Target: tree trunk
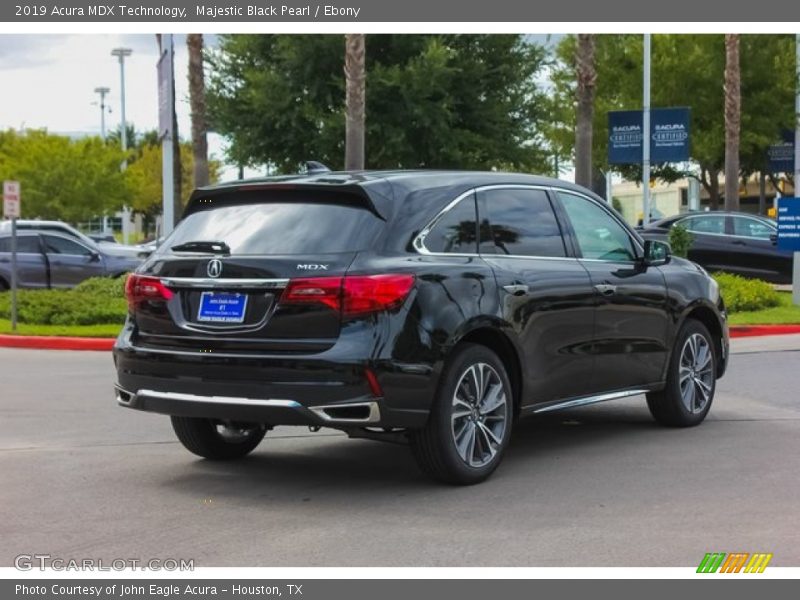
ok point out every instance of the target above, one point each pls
(713, 189)
(586, 76)
(733, 109)
(197, 102)
(355, 81)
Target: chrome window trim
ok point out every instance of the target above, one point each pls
(419, 241)
(727, 235)
(229, 283)
(767, 224)
(419, 245)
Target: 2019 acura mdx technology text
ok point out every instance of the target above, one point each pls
(429, 307)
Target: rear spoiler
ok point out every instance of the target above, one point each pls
(247, 193)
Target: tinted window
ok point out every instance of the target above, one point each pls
(706, 224)
(456, 230)
(280, 228)
(57, 245)
(599, 235)
(522, 223)
(25, 244)
(751, 228)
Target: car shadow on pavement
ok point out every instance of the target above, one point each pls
(283, 467)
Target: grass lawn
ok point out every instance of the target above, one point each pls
(783, 314)
(101, 331)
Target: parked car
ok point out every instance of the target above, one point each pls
(47, 259)
(110, 247)
(147, 247)
(101, 237)
(733, 242)
(430, 308)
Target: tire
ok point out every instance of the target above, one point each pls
(686, 403)
(215, 440)
(465, 437)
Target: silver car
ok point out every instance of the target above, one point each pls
(107, 246)
(46, 259)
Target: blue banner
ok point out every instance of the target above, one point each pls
(789, 224)
(781, 155)
(669, 136)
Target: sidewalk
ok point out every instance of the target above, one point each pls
(767, 343)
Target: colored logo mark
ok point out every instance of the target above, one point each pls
(735, 562)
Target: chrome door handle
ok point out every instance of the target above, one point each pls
(606, 289)
(516, 289)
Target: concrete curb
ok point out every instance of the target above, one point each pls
(739, 331)
(43, 342)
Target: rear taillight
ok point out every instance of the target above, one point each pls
(351, 295)
(140, 288)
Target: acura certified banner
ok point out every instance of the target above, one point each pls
(392, 10)
(669, 136)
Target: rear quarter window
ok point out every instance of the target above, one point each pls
(281, 228)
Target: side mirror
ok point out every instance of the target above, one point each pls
(773, 237)
(656, 253)
(94, 256)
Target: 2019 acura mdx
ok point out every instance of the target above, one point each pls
(428, 307)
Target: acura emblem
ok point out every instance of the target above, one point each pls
(214, 268)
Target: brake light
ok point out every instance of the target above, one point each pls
(140, 288)
(314, 290)
(351, 295)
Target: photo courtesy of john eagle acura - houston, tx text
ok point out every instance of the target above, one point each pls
(431, 308)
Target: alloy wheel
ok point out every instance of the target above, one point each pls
(479, 415)
(696, 377)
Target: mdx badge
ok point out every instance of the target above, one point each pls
(214, 268)
(312, 267)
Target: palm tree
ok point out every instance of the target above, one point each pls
(733, 109)
(355, 81)
(197, 102)
(586, 75)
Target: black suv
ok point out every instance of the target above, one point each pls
(428, 307)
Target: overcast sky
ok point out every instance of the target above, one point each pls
(48, 81)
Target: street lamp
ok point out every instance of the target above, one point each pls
(121, 53)
(102, 91)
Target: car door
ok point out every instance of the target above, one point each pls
(631, 319)
(71, 262)
(711, 248)
(31, 267)
(545, 295)
(757, 254)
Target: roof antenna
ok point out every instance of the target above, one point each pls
(314, 167)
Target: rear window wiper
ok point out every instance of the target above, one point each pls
(210, 247)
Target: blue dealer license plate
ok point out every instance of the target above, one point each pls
(221, 307)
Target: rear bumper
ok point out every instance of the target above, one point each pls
(358, 412)
(329, 389)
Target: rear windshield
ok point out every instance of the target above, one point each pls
(281, 228)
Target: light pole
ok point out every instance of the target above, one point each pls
(121, 53)
(102, 91)
(646, 134)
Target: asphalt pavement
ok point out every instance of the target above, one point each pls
(596, 486)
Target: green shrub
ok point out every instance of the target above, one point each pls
(96, 301)
(680, 240)
(742, 294)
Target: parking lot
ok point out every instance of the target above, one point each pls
(597, 486)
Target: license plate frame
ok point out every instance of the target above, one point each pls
(222, 308)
